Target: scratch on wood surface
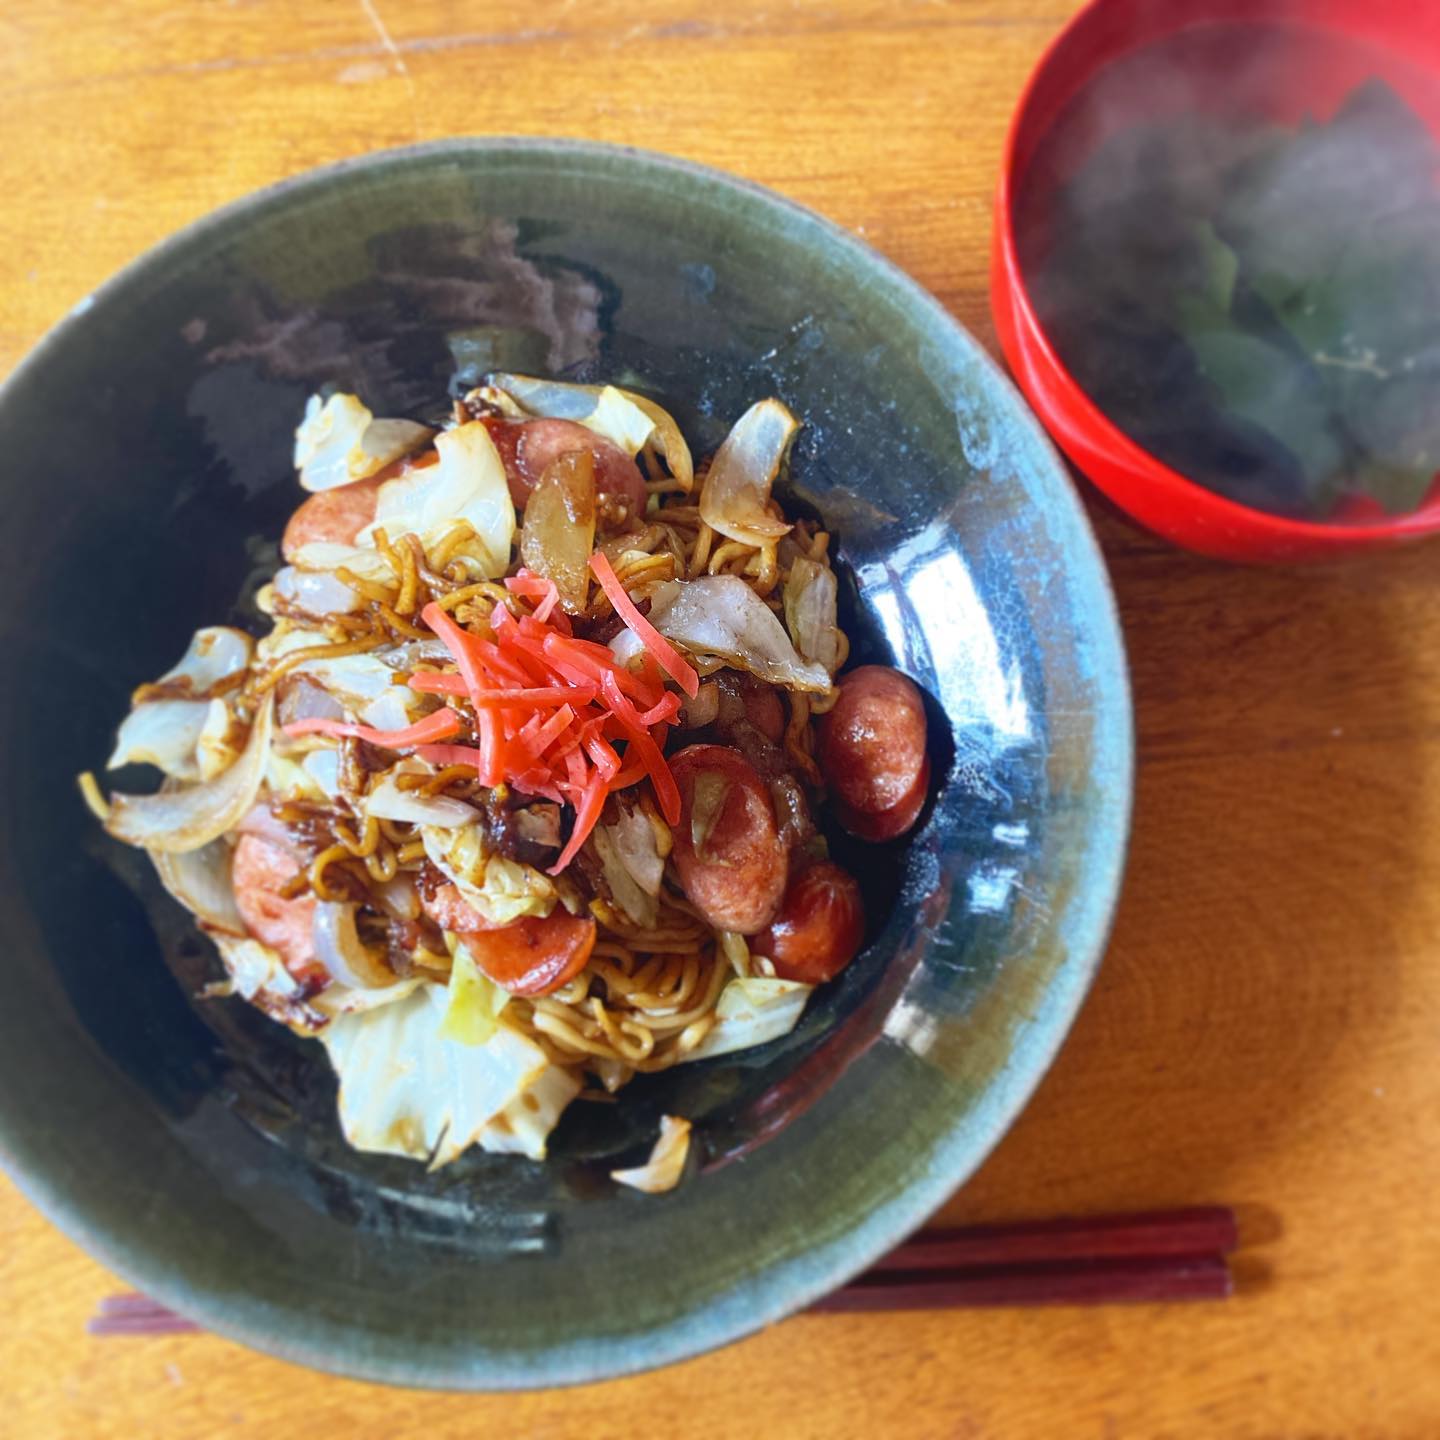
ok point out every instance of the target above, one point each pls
(401, 68)
(679, 32)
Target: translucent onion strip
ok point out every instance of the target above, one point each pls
(175, 821)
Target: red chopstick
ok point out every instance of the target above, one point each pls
(1100, 1282)
(135, 1314)
(1157, 1256)
(1201, 1230)
(1090, 1260)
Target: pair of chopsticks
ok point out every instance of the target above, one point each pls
(1155, 1257)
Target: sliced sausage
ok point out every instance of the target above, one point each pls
(530, 447)
(872, 742)
(535, 957)
(728, 851)
(881, 825)
(819, 927)
(259, 872)
(450, 910)
(337, 515)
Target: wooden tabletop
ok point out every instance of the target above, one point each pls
(1264, 1031)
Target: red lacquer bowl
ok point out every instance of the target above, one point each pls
(1296, 58)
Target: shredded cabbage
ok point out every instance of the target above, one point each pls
(721, 615)
(387, 801)
(523, 1127)
(468, 484)
(662, 1171)
(640, 905)
(752, 1011)
(810, 605)
(257, 974)
(406, 1089)
(501, 890)
(291, 780)
(323, 768)
(339, 441)
(356, 681)
(620, 420)
(324, 557)
(475, 1003)
(317, 592)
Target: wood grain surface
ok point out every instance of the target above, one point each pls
(1265, 1028)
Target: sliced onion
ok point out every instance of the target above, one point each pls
(388, 802)
(703, 709)
(398, 896)
(736, 493)
(323, 767)
(588, 404)
(215, 654)
(618, 419)
(721, 615)
(316, 592)
(163, 733)
(185, 819)
(320, 557)
(627, 647)
(200, 881)
(339, 949)
(387, 711)
(711, 792)
(666, 1164)
(219, 745)
(302, 699)
(810, 601)
(339, 441)
(559, 529)
(406, 657)
(468, 484)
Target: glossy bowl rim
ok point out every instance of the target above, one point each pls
(1271, 536)
(752, 1304)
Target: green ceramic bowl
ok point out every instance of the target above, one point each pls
(192, 1145)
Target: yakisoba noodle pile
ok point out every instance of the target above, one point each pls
(517, 798)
